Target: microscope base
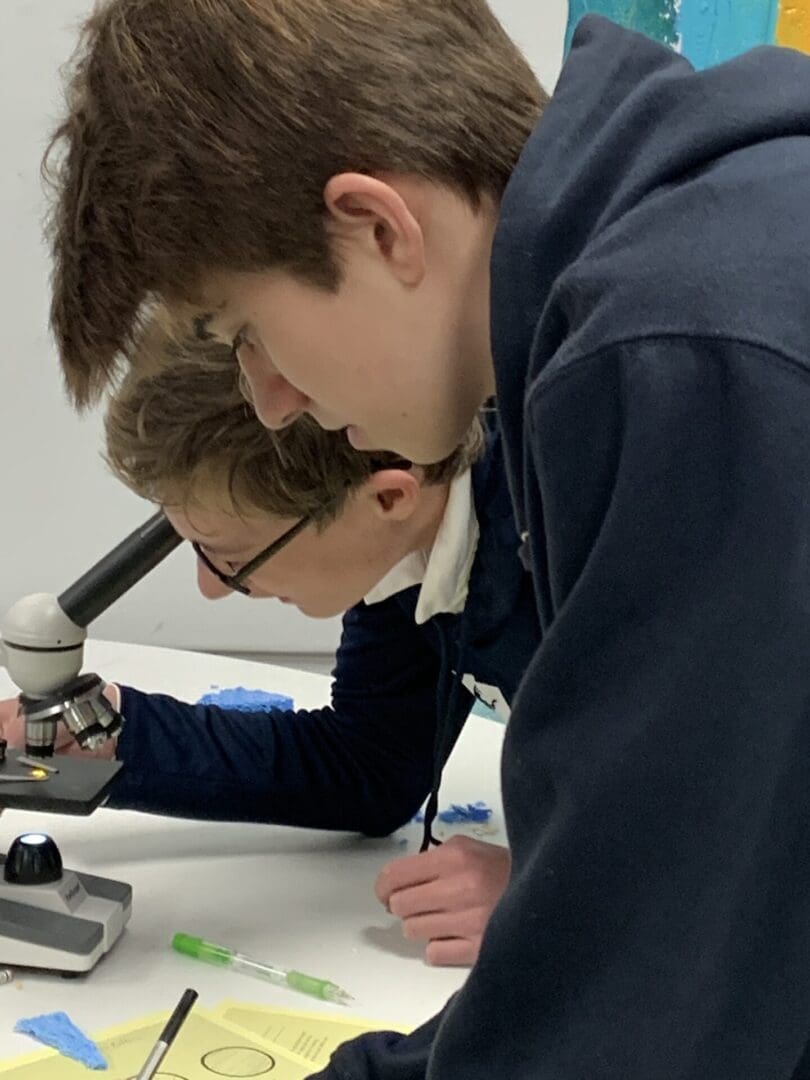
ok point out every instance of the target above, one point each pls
(65, 926)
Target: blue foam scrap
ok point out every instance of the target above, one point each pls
(244, 700)
(476, 812)
(455, 814)
(58, 1031)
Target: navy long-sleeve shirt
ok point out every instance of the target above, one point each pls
(651, 337)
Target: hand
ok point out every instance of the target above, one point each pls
(445, 896)
(12, 729)
(8, 713)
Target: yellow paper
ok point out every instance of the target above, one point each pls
(311, 1036)
(207, 1048)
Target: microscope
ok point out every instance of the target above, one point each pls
(52, 917)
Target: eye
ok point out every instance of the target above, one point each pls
(223, 565)
(233, 566)
(247, 350)
(239, 342)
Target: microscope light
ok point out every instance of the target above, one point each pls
(32, 859)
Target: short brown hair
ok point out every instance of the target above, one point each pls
(200, 134)
(182, 433)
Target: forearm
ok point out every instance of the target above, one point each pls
(314, 769)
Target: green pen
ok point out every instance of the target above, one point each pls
(295, 980)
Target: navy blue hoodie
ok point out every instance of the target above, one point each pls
(651, 336)
(367, 762)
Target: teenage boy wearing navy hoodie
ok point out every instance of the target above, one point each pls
(389, 230)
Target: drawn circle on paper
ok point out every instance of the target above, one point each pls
(238, 1061)
(164, 1076)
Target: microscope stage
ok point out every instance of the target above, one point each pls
(78, 788)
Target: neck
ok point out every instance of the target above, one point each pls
(432, 506)
(474, 299)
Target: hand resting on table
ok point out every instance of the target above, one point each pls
(445, 896)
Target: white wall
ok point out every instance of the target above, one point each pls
(60, 508)
(538, 26)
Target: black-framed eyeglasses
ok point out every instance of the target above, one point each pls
(234, 581)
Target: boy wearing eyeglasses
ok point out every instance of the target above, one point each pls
(304, 518)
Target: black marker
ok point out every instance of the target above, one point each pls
(168, 1035)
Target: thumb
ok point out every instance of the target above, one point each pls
(12, 728)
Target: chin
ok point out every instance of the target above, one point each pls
(426, 452)
(420, 447)
(358, 438)
(317, 612)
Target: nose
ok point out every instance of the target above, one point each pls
(210, 587)
(276, 401)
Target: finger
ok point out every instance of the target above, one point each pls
(405, 872)
(451, 892)
(446, 894)
(452, 952)
(8, 710)
(444, 924)
(12, 728)
(112, 692)
(64, 741)
(426, 866)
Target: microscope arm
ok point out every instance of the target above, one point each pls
(43, 635)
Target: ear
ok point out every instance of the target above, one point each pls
(369, 211)
(395, 493)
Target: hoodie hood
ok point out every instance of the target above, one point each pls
(632, 139)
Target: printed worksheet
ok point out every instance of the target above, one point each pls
(311, 1036)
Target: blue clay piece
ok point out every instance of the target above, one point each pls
(473, 812)
(244, 700)
(58, 1031)
(455, 814)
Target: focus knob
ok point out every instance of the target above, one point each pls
(33, 859)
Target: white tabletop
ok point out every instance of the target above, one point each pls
(296, 897)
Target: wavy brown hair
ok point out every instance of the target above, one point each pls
(199, 136)
(181, 433)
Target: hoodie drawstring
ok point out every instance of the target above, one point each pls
(448, 725)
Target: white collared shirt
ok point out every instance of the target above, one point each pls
(444, 571)
(444, 574)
